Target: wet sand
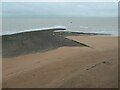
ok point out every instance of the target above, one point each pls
(66, 67)
(24, 43)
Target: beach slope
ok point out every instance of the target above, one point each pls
(66, 67)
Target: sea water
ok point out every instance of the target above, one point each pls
(107, 25)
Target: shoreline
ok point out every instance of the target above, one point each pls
(35, 41)
(40, 41)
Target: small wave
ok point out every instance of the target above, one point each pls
(37, 29)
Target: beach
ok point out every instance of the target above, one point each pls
(59, 45)
(95, 66)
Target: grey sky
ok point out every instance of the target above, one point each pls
(41, 9)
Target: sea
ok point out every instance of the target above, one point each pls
(106, 25)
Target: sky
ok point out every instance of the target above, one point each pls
(64, 9)
(59, 0)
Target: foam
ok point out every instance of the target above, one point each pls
(38, 29)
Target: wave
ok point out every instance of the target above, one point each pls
(60, 28)
(54, 28)
(34, 42)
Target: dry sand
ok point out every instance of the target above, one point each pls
(70, 67)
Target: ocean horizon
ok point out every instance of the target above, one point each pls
(106, 25)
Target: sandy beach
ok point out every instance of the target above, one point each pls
(66, 67)
(59, 45)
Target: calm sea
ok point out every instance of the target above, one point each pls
(93, 25)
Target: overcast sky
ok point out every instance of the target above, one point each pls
(40, 9)
(59, 0)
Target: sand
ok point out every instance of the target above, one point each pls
(66, 67)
